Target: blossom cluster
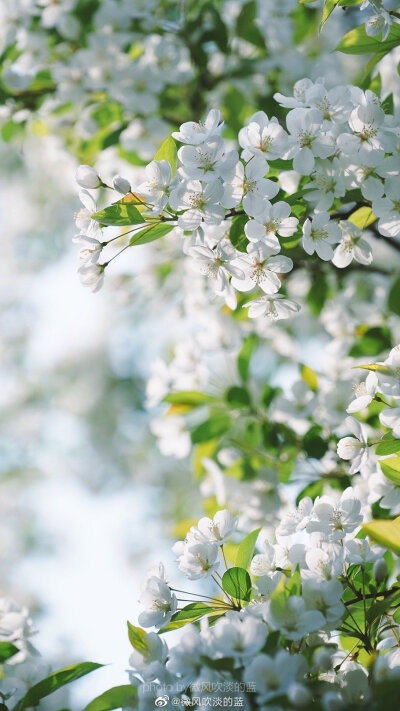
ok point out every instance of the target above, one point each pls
(338, 143)
(278, 640)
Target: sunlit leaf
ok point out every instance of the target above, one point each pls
(119, 696)
(386, 532)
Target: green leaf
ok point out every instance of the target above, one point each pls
(168, 151)
(237, 396)
(375, 367)
(189, 397)
(358, 42)
(318, 293)
(371, 341)
(215, 426)
(362, 218)
(394, 297)
(55, 681)
(189, 613)
(387, 533)
(119, 696)
(237, 234)
(314, 489)
(121, 214)
(309, 376)
(245, 354)
(388, 104)
(389, 447)
(246, 549)
(236, 583)
(329, 6)
(246, 27)
(391, 469)
(150, 234)
(7, 650)
(137, 638)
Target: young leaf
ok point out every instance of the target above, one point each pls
(309, 376)
(120, 214)
(362, 218)
(391, 469)
(7, 650)
(246, 549)
(358, 42)
(189, 613)
(329, 6)
(215, 426)
(167, 151)
(137, 638)
(189, 397)
(119, 696)
(236, 582)
(389, 447)
(385, 532)
(150, 234)
(55, 681)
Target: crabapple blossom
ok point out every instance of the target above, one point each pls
(157, 597)
(199, 202)
(260, 267)
(335, 519)
(364, 393)
(354, 448)
(318, 235)
(157, 185)
(249, 185)
(274, 220)
(351, 246)
(274, 306)
(306, 139)
(263, 137)
(219, 528)
(196, 133)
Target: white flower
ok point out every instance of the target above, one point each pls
(319, 234)
(92, 275)
(87, 177)
(297, 519)
(351, 246)
(155, 189)
(265, 563)
(90, 250)
(358, 550)
(390, 380)
(274, 307)
(299, 98)
(199, 202)
(219, 528)
(388, 208)
(354, 448)
(249, 186)
(274, 219)
(206, 161)
(307, 140)
(199, 559)
(364, 393)
(196, 133)
(369, 140)
(238, 636)
(325, 596)
(83, 218)
(173, 437)
(324, 562)
(184, 658)
(15, 623)
(160, 602)
(217, 264)
(327, 184)
(292, 618)
(333, 105)
(390, 417)
(263, 137)
(273, 676)
(149, 661)
(379, 24)
(335, 519)
(260, 268)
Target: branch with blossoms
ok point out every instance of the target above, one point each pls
(336, 154)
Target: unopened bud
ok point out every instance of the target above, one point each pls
(87, 177)
(122, 185)
(380, 570)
